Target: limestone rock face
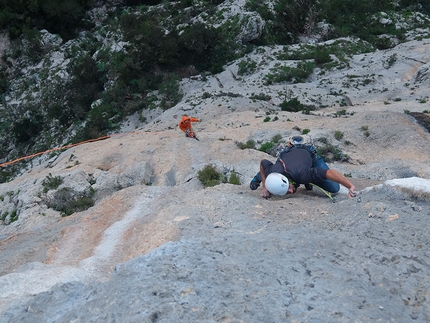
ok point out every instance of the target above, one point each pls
(157, 246)
(252, 26)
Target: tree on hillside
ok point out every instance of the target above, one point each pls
(57, 16)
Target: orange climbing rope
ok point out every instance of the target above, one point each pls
(53, 149)
(77, 144)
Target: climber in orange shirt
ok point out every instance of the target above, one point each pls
(185, 126)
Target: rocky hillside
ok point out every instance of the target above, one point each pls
(78, 80)
(122, 229)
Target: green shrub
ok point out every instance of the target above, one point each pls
(26, 129)
(266, 146)
(7, 174)
(305, 131)
(57, 16)
(13, 216)
(234, 178)
(68, 201)
(320, 54)
(294, 105)
(209, 176)
(276, 138)
(51, 183)
(85, 86)
(249, 144)
(296, 74)
(390, 61)
(330, 153)
(170, 91)
(340, 113)
(101, 119)
(4, 82)
(323, 140)
(247, 66)
(205, 47)
(261, 96)
(353, 17)
(338, 135)
(293, 16)
(365, 130)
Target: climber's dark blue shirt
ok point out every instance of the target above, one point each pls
(298, 167)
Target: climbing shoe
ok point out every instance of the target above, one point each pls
(308, 187)
(255, 183)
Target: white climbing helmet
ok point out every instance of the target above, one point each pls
(277, 184)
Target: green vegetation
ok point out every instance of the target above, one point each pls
(338, 135)
(67, 201)
(365, 130)
(247, 66)
(266, 146)
(13, 216)
(269, 147)
(277, 138)
(261, 96)
(294, 105)
(357, 18)
(57, 16)
(340, 113)
(209, 176)
(329, 152)
(296, 74)
(9, 217)
(234, 178)
(51, 183)
(250, 144)
(320, 54)
(390, 61)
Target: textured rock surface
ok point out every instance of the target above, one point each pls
(348, 261)
(158, 247)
